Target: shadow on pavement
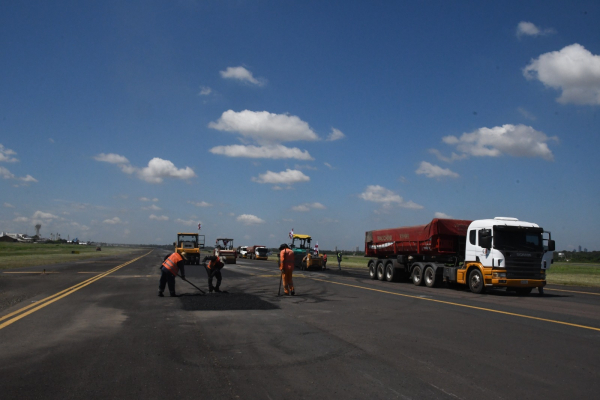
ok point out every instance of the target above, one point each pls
(225, 302)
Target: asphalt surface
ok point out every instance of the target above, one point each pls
(108, 335)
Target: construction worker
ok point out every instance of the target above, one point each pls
(324, 260)
(213, 270)
(170, 268)
(286, 266)
(339, 258)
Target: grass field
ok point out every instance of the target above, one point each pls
(19, 255)
(575, 274)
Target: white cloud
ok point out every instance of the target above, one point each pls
(200, 203)
(205, 91)
(6, 174)
(111, 158)
(272, 151)
(6, 155)
(241, 74)
(287, 177)
(512, 140)
(574, 70)
(308, 206)
(112, 221)
(187, 222)
(156, 171)
(328, 165)
(264, 127)
(152, 207)
(43, 215)
(159, 217)
(379, 194)
(335, 134)
(435, 171)
(248, 219)
(21, 219)
(452, 158)
(147, 199)
(8, 205)
(529, 29)
(442, 215)
(526, 114)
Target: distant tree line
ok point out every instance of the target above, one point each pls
(578, 256)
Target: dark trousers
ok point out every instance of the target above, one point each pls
(213, 274)
(166, 278)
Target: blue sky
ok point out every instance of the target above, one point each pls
(127, 122)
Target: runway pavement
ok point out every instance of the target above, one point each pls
(97, 329)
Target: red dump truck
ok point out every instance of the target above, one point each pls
(499, 252)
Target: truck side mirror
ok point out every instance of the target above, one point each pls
(551, 245)
(485, 242)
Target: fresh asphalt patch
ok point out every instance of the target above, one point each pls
(226, 302)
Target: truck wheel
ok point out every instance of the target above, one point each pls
(390, 273)
(372, 270)
(523, 291)
(476, 283)
(429, 277)
(417, 275)
(380, 271)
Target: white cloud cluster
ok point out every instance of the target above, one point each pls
(442, 215)
(435, 171)
(159, 217)
(379, 194)
(525, 28)
(287, 177)
(152, 207)
(335, 134)
(200, 203)
(38, 217)
(249, 219)
(156, 171)
(242, 74)
(8, 205)
(574, 70)
(187, 222)
(271, 151)
(204, 91)
(264, 127)
(6, 155)
(112, 221)
(147, 199)
(308, 206)
(512, 140)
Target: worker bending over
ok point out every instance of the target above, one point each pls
(169, 269)
(213, 270)
(286, 265)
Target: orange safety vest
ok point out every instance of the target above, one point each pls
(171, 263)
(287, 260)
(215, 263)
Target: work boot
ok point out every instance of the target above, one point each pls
(293, 292)
(217, 290)
(173, 294)
(160, 294)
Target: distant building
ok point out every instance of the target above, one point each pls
(580, 249)
(6, 238)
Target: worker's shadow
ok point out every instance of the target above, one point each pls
(225, 302)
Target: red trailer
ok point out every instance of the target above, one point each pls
(396, 250)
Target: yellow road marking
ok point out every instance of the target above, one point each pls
(461, 305)
(30, 272)
(573, 291)
(55, 297)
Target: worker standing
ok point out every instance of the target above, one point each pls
(286, 266)
(324, 260)
(339, 258)
(213, 270)
(169, 269)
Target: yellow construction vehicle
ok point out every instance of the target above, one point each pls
(304, 256)
(225, 250)
(191, 243)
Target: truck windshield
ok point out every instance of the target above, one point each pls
(261, 251)
(517, 239)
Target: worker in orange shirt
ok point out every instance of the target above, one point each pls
(286, 265)
(169, 270)
(213, 270)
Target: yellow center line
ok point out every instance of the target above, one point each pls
(573, 291)
(55, 297)
(461, 305)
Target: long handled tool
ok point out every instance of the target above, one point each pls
(203, 292)
(280, 280)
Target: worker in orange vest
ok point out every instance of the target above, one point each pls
(213, 269)
(286, 265)
(170, 268)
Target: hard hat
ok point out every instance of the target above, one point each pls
(184, 255)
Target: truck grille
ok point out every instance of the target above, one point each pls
(524, 267)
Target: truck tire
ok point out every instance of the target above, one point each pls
(476, 283)
(417, 275)
(372, 270)
(429, 276)
(390, 272)
(380, 271)
(523, 291)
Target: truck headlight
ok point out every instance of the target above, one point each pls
(499, 275)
